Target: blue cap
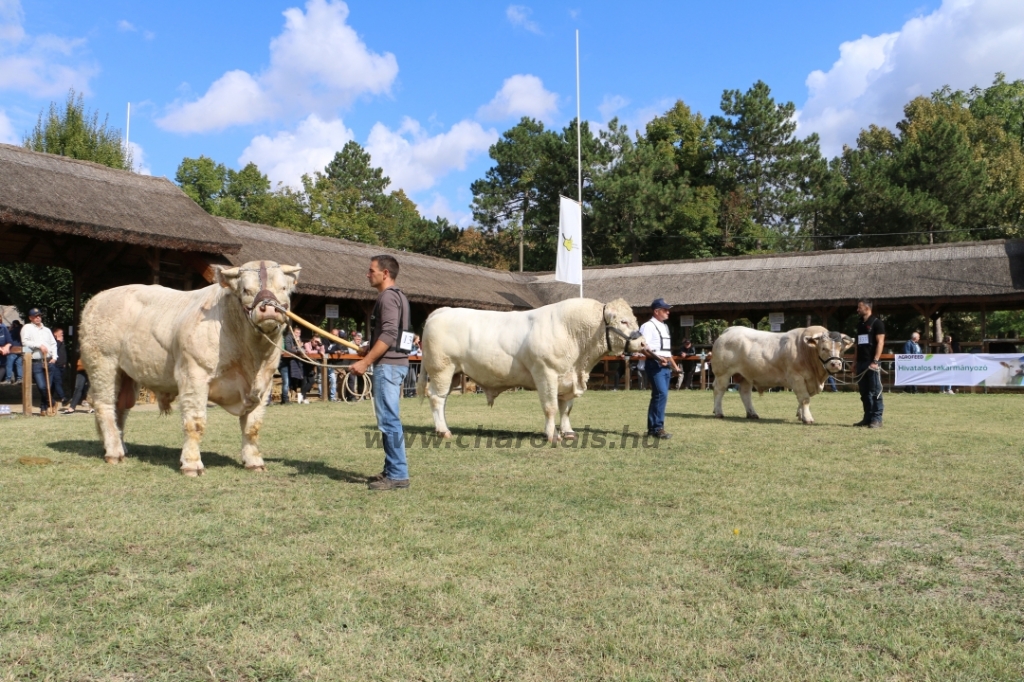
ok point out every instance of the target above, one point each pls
(32, 312)
(660, 303)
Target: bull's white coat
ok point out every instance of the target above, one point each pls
(798, 360)
(551, 349)
(197, 346)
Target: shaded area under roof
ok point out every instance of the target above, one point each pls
(64, 196)
(336, 269)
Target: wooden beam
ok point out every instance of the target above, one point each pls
(29, 248)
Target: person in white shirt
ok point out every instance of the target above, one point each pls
(658, 366)
(38, 339)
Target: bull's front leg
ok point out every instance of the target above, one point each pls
(803, 407)
(251, 423)
(193, 416)
(547, 390)
(745, 395)
(564, 408)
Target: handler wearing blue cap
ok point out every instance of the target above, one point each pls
(659, 366)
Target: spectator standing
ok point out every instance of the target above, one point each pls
(689, 366)
(912, 347)
(39, 340)
(659, 366)
(870, 338)
(389, 357)
(6, 342)
(15, 369)
(947, 347)
(289, 352)
(332, 374)
(57, 368)
(312, 372)
(81, 389)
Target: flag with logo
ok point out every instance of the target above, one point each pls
(569, 264)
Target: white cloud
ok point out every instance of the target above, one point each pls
(961, 44)
(139, 163)
(416, 161)
(519, 15)
(7, 135)
(124, 25)
(611, 104)
(440, 207)
(521, 95)
(43, 65)
(317, 64)
(290, 154)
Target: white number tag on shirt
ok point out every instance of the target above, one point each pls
(405, 343)
(862, 340)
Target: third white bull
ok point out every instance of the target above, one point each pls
(800, 360)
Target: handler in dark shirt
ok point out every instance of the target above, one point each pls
(388, 352)
(870, 338)
(57, 371)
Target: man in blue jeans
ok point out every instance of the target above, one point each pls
(388, 353)
(870, 340)
(659, 366)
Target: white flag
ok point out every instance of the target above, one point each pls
(569, 264)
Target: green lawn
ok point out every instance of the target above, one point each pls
(738, 550)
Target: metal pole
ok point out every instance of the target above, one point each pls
(579, 150)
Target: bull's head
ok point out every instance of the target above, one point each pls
(620, 322)
(830, 347)
(263, 287)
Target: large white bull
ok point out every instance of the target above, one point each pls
(800, 359)
(551, 349)
(219, 344)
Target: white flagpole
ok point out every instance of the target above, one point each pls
(579, 150)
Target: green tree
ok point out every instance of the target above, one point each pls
(73, 132)
(203, 180)
(762, 169)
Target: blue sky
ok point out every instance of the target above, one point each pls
(428, 87)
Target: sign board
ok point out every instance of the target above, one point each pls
(960, 369)
(776, 327)
(331, 312)
(776, 319)
(686, 320)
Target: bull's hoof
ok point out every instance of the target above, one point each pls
(112, 459)
(256, 467)
(753, 416)
(447, 435)
(193, 473)
(719, 416)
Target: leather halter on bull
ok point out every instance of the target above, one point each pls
(836, 337)
(265, 295)
(608, 329)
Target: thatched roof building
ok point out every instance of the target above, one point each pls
(335, 270)
(956, 276)
(62, 196)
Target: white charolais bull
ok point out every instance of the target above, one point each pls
(551, 349)
(800, 360)
(219, 344)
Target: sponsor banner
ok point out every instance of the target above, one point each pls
(960, 369)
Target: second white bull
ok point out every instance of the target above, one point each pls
(551, 349)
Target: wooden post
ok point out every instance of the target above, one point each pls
(324, 394)
(26, 384)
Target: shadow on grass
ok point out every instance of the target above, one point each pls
(157, 455)
(307, 468)
(728, 418)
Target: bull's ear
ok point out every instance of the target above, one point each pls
(848, 342)
(227, 276)
(811, 340)
(293, 271)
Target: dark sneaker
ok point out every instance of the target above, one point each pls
(863, 422)
(875, 425)
(388, 484)
(660, 433)
(376, 477)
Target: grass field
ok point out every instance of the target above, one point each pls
(738, 550)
